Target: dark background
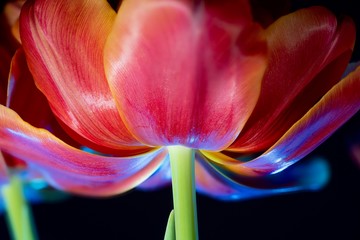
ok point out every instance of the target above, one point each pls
(331, 213)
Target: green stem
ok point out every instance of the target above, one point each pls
(184, 194)
(170, 227)
(17, 210)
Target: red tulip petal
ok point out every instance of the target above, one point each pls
(181, 77)
(27, 101)
(309, 52)
(63, 42)
(333, 110)
(71, 169)
(23, 96)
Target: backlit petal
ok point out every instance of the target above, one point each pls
(63, 42)
(160, 178)
(26, 100)
(71, 169)
(183, 77)
(210, 180)
(309, 52)
(333, 110)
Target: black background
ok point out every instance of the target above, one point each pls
(331, 213)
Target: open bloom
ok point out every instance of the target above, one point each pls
(160, 73)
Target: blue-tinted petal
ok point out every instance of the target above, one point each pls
(307, 175)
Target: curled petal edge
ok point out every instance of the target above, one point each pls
(71, 169)
(308, 176)
(324, 118)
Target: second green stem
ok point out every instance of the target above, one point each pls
(18, 212)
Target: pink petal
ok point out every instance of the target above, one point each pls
(181, 77)
(333, 110)
(63, 42)
(309, 52)
(26, 100)
(71, 169)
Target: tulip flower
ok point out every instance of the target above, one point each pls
(196, 84)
